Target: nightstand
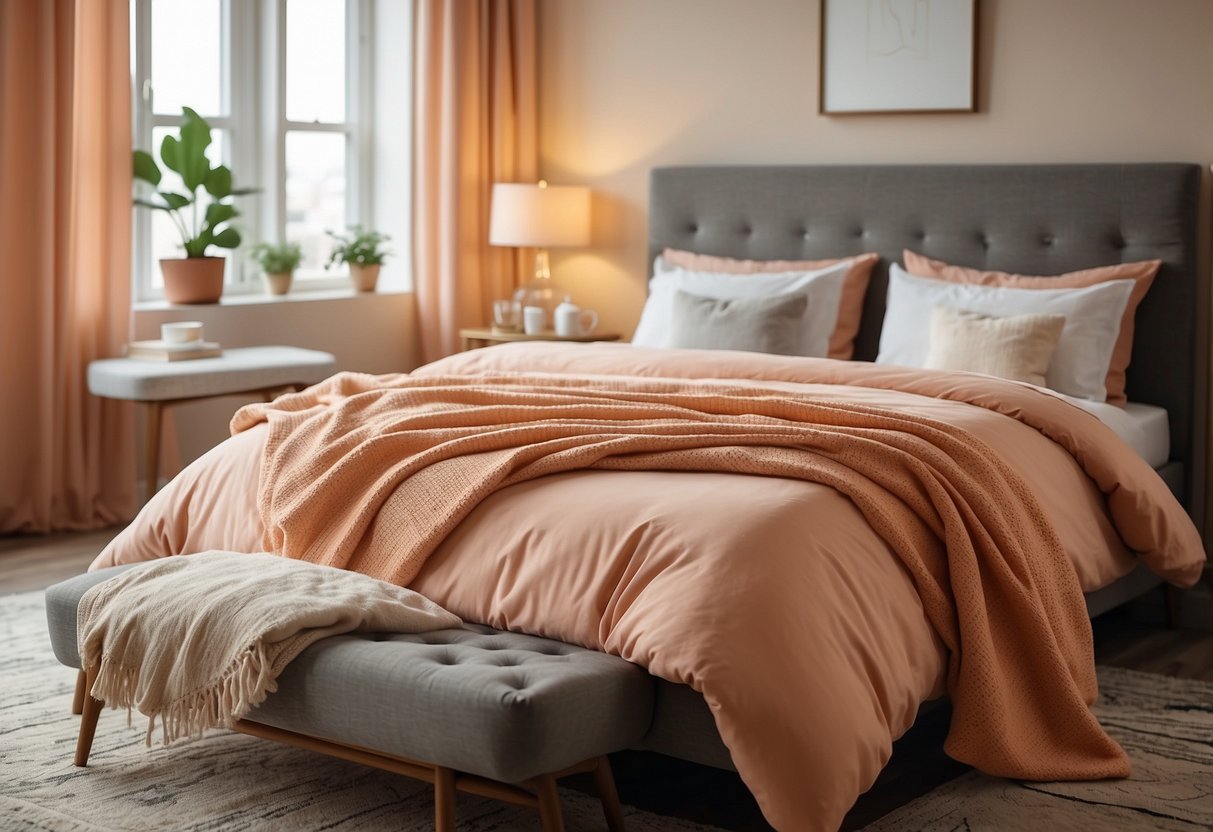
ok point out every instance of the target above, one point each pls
(476, 337)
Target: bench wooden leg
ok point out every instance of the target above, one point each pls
(444, 799)
(604, 781)
(78, 697)
(88, 721)
(549, 804)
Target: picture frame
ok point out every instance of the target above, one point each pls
(897, 56)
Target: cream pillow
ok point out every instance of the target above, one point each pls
(763, 324)
(1018, 347)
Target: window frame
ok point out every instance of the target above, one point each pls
(253, 46)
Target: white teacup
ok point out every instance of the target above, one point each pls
(574, 322)
(181, 332)
(533, 319)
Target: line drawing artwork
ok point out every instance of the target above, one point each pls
(897, 29)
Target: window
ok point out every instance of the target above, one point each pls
(286, 87)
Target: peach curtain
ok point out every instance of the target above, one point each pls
(66, 458)
(475, 124)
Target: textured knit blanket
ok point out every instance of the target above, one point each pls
(200, 641)
(371, 473)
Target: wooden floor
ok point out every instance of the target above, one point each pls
(36, 562)
(673, 787)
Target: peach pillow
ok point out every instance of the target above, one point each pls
(854, 285)
(1142, 273)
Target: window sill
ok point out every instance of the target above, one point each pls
(254, 299)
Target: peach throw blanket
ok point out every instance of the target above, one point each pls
(372, 473)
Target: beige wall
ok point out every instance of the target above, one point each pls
(630, 84)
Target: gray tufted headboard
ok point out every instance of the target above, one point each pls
(1030, 219)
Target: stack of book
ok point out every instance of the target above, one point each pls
(170, 351)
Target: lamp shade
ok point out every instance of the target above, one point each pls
(539, 215)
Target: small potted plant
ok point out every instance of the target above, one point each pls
(278, 264)
(361, 251)
(196, 278)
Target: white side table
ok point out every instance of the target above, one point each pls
(260, 371)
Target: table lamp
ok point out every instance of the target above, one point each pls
(541, 216)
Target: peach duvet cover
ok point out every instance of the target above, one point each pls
(813, 632)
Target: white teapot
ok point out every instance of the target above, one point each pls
(571, 321)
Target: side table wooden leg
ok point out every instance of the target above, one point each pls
(155, 412)
(88, 722)
(78, 698)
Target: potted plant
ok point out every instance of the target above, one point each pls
(361, 251)
(278, 264)
(196, 278)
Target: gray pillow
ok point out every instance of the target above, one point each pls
(766, 324)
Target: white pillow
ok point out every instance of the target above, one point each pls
(822, 286)
(1080, 363)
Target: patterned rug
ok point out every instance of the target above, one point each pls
(1166, 726)
(229, 781)
(225, 781)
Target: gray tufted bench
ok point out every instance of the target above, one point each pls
(473, 709)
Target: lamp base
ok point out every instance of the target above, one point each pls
(538, 290)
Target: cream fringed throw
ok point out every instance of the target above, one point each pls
(200, 640)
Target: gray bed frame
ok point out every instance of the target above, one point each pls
(1029, 219)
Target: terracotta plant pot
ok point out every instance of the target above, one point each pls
(192, 279)
(364, 277)
(277, 283)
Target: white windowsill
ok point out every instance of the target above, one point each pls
(253, 299)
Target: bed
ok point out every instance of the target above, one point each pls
(1031, 219)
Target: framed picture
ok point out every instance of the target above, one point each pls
(898, 56)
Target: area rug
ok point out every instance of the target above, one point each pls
(1166, 726)
(224, 781)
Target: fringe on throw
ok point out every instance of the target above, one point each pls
(241, 687)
